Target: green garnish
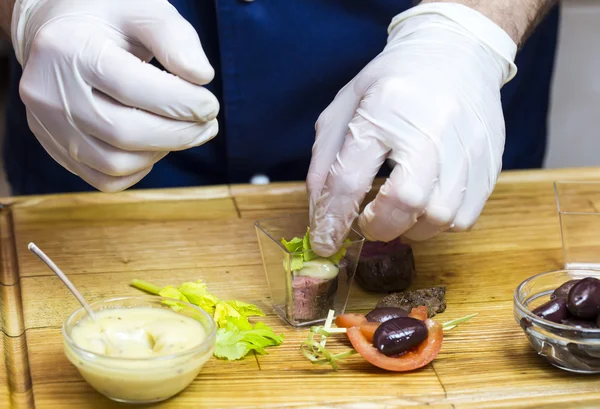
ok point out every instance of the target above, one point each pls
(302, 246)
(315, 351)
(236, 336)
(452, 324)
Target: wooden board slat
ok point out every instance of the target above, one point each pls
(56, 304)
(100, 215)
(136, 246)
(552, 401)
(15, 381)
(4, 387)
(220, 382)
(11, 314)
(18, 379)
(8, 259)
(64, 201)
(170, 236)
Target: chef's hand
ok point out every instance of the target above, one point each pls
(92, 100)
(430, 102)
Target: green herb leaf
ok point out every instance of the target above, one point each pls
(237, 338)
(294, 245)
(296, 262)
(245, 309)
(302, 246)
(308, 253)
(229, 344)
(223, 312)
(172, 292)
(235, 334)
(197, 294)
(337, 257)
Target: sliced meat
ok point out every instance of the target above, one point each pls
(313, 297)
(433, 298)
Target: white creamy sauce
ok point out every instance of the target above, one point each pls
(144, 334)
(318, 268)
(138, 332)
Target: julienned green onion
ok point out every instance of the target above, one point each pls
(314, 350)
(452, 324)
(328, 323)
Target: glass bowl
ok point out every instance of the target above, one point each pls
(566, 347)
(141, 379)
(299, 298)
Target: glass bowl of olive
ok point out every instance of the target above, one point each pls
(559, 312)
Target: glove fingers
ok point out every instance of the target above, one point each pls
(174, 42)
(110, 160)
(99, 180)
(404, 195)
(448, 192)
(479, 189)
(349, 179)
(137, 130)
(331, 128)
(481, 183)
(129, 80)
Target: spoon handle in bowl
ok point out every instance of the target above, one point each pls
(46, 260)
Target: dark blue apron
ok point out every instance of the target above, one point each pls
(279, 64)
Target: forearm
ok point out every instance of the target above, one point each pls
(517, 17)
(6, 10)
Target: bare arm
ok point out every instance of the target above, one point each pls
(517, 17)
(6, 9)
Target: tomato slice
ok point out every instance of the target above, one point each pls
(419, 313)
(415, 358)
(350, 320)
(368, 329)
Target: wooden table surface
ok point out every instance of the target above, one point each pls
(102, 241)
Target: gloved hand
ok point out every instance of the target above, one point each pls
(92, 100)
(430, 102)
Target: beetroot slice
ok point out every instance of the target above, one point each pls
(385, 267)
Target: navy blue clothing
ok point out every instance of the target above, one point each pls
(278, 65)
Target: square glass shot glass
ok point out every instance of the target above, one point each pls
(578, 204)
(304, 286)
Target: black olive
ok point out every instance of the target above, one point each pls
(563, 290)
(398, 335)
(584, 298)
(598, 321)
(525, 323)
(554, 310)
(386, 314)
(579, 323)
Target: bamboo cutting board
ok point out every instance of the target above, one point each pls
(169, 236)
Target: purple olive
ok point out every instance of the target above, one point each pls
(563, 290)
(579, 323)
(398, 335)
(385, 314)
(554, 310)
(584, 298)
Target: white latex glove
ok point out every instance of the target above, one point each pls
(92, 100)
(430, 102)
